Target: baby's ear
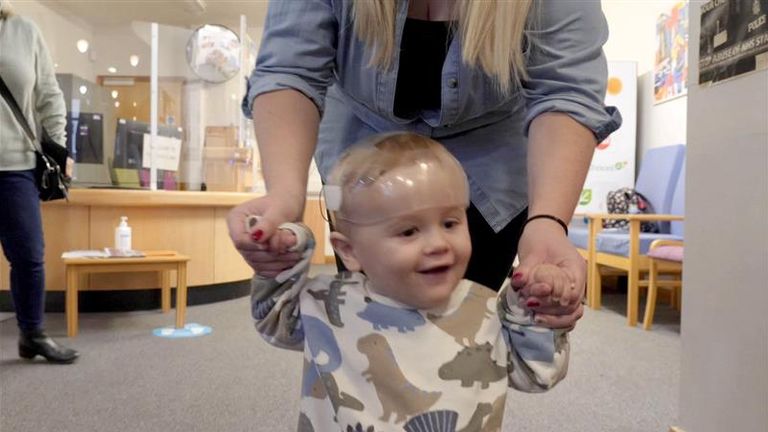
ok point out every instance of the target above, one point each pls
(343, 247)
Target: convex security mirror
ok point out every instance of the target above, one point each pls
(213, 53)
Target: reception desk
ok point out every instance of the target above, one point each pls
(191, 223)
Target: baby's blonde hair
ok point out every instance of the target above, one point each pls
(5, 9)
(492, 32)
(371, 159)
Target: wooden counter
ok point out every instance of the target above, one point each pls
(191, 223)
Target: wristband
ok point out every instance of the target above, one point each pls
(546, 216)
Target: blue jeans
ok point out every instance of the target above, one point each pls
(21, 235)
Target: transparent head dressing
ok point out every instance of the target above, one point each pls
(390, 175)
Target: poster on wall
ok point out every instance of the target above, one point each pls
(670, 71)
(734, 39)
(613, 165)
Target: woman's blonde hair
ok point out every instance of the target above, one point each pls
(492, 32)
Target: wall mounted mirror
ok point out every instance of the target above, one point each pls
(213, 53)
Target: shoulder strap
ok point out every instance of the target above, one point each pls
(9, 99)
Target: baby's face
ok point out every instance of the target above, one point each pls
(418, 256)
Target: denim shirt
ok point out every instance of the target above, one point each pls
(310, 46)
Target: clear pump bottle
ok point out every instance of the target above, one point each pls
(123, 235)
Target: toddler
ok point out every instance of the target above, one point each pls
(402, 341)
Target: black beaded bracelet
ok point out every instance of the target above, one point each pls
(546, 216)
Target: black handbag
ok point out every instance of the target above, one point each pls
(52, 180)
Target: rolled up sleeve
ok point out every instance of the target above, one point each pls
(298, 51)
(50, 107)
(567, 67)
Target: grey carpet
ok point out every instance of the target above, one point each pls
(127, 380)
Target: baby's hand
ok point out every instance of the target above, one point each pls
(283, 240)
(546, 278)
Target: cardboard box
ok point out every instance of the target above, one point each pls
(221, 136)
(228, 169)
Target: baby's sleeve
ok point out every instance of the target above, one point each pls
(275, 301)
(538, 356)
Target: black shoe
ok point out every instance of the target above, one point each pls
(38, 343)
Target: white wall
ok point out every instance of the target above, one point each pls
(632, 26)
(724, 364)
(659, 125)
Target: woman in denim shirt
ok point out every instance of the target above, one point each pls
(522, 116)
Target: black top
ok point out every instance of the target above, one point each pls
(423, 49)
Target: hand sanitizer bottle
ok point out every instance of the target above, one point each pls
(123, 235)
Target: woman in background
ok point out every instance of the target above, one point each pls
(28, 72)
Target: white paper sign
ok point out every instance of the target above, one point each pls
(167, 153)
(613, 165)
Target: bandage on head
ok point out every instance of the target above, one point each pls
(389, 175)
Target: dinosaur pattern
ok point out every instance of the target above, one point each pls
(476, 421)
(320, 340)
(372, 364)
(493, 424)
(396, 394)
(383, 316)
(333, 297)
(473, 364)
(465, 322)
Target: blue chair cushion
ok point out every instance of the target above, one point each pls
(579, 236)
(616, 242)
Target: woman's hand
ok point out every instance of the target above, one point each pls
(261, 245)
(543, 242)
(68, 170)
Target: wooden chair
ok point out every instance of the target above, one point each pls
(626, 251)
(664, 256)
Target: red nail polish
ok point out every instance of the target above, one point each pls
(533, 303)
(256, 235)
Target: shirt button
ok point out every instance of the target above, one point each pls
(453, 83)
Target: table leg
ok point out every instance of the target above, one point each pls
(181, 294)
(165, 290)
(70, 303)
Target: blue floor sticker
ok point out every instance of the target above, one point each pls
(189, 330)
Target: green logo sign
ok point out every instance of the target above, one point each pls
(586, 197)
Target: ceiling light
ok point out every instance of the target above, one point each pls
(115, 94)
(83, 89)
(117, 104)
(134, 59)
(112, 69)
(82, 45)
(56, 65)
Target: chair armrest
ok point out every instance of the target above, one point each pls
(643, 217)
(663, 242)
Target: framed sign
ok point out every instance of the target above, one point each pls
(734, 39)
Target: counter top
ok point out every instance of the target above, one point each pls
(148, 198)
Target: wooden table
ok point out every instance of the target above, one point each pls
(164, 264)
